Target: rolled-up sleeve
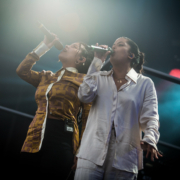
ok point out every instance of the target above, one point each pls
(149, 118)
(88, 89)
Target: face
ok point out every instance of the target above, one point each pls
(121, 52)
(70, 54)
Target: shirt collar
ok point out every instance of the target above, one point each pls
(106, 73)
(72, 69)
(132, 74)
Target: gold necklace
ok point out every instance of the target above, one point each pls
(118, 80)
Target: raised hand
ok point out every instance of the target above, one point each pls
(50, 43)
(101, 55)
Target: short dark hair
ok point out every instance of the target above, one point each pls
(138, 61)
(88, 54)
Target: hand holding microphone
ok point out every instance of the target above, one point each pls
(50, 38)
(102, 54)
(50, 43)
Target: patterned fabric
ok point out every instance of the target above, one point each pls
(62, 101)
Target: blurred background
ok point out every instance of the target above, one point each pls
(153, 24)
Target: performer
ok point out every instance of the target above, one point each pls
(124, 103)
(53, 136)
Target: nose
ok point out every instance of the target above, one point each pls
(67, 46)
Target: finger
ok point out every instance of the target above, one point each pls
(96, 44)
(147, 154)
(159, 154)
(106, 54)
(53, 42)
(156, 156)
(54, 34)
(152, 156)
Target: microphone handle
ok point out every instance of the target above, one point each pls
(46, 32)
(100, 49)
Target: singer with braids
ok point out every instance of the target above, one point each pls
(53, 136)
(124, 103)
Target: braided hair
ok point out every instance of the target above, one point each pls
(88, 54)
(138, 61)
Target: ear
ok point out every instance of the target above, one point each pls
(81, 60)
(131, 56)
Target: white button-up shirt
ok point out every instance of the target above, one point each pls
(133, 109)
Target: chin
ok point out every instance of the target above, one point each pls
(115, 62)
(61, 58)
(112, 60)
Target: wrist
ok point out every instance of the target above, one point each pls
(41, 49)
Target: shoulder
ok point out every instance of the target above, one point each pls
(147, 83)
(145, 79)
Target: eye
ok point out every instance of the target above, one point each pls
(74, 46)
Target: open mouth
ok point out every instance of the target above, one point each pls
(112, 54)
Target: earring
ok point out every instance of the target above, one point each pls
(83, 64)
(76, 62)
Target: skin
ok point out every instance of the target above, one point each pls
(121, 62)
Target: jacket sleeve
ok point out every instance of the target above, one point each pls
(149, 118)
(24, 70)
(88, 89)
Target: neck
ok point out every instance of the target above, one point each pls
(66, 65)
(121, 70)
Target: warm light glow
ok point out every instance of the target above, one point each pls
(69, 22)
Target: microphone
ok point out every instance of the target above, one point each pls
(100, 49)
(46, 32)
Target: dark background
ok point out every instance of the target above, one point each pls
(153, 24)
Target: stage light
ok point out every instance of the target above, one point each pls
(175, 73)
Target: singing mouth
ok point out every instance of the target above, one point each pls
(112, 54)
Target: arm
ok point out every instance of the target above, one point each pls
(24, 69)
(149, 120)
(88, 89)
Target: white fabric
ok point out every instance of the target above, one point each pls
(41, 49)
(87, 170)
(133, 109)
